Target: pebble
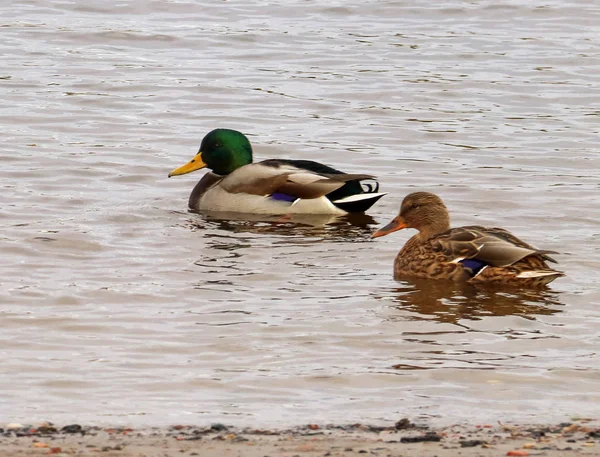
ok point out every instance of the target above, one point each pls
(430, 436)
(403, 424)
(472, 443)
(73, 428)
(14, 426)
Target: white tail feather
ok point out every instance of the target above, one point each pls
(537, 274)
(359, 197)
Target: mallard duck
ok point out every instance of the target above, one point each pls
(474, 254)
(274, 186)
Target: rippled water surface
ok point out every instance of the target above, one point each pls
(118, 305)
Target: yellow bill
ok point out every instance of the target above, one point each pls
(195, 164)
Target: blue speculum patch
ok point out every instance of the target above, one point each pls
(283, 197)
(473, 264)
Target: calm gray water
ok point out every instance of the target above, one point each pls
(119, 306)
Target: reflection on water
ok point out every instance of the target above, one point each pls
(119, 305)
(451, 302)
(323, 226)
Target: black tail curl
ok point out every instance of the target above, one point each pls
(370, 188)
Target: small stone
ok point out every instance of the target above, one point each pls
(73, 428)
(431, 436)
(47, 429)
(570, 428)
(529, 446)
(472, 443)
(403, 424)
(14, 426)
(218, 427)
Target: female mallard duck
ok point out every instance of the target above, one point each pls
(275, 186)
(475, 254)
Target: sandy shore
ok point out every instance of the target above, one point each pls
(578, 438)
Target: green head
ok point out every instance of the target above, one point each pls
(221, 150)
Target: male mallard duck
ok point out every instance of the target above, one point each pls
(473, 253)
(275, 186)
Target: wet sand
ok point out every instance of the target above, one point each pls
(580, 437)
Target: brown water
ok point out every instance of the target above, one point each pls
(119, 306)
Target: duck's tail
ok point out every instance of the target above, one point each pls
(356, 196)
(358, 203)
(540, 277)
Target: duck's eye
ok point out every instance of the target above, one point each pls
(414, 206)
(217, 145)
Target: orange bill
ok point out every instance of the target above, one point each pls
(396, 224)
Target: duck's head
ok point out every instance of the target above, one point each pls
(221, 150)
(422, 211)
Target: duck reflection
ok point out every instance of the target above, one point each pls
(450, 302)
(324, 226)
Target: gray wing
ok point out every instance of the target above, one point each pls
(261, 179)
(495, 247)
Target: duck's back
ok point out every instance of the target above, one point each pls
(475, 254)
(418, 259)
(265, 188)
(284, 186)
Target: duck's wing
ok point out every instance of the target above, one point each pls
(353, 196)
(505, 235)
(285, 177)
(495, 247)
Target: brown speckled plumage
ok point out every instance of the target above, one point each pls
(475, 254)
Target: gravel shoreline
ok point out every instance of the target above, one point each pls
(580, 437)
